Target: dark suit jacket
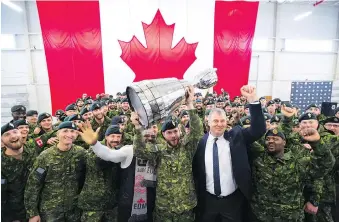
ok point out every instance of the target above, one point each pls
(240, 139)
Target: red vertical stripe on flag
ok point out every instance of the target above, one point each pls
(72, 39)
(234, 26)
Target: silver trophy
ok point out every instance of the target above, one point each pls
(155, 99)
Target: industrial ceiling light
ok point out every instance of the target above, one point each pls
(12, 5)
(302, 16)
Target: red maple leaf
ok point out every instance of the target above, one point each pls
(158, 59)
(141, 201)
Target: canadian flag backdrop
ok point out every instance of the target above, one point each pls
(103, 46)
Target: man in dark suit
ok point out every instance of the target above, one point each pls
(221, 166)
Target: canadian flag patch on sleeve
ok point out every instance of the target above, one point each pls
(39, 142)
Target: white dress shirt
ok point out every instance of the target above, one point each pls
(227, 181)
(124, 155)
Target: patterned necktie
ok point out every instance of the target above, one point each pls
(216, 174)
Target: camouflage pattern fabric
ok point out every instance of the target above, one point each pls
(100, 188)
(175, 188)
(56, 216)
(103, 127)
(163, 216)
(100, 216)
(278, 182)
(54, 184)
(14, 174)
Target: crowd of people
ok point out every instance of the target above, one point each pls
(214, 159)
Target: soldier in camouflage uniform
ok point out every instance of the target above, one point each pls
(23, 127)
(127, 136)
(45, 125)
(279, 177)
(326, 200)
(71, 109)
(98, 196)
(326, 212)
(50, 138)
(176, 196)
(16, 161)
(56, 180)
(76, 119)
(313, 108)
(86, 114)
(99, 120)
(32, 118)
(200, 109)
(18, 112)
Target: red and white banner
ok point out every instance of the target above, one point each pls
(103, 46)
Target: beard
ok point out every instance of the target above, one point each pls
(99, 116)
(173, 142)
(14, 144)
(113, 144)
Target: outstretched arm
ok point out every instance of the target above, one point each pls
(124, 155)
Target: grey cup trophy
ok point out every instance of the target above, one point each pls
(155, 99)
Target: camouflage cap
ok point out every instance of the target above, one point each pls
(331, 119)
(275, 132)
(271, 102)
(183, 113)
(7, 127)
(18, 108)
(43, 116)
(74, 117)
(277, 100)
(312, 106)
(113, 129)
(59, 112)
(117, 120)
(67, 125)
(125, 100)
(20, 122)
(88, 102)
(84, 111)
(275, 119)
(307, 116)
(210, 102)
(95, 106)
(71, 107)
(169, 124)
(31, 113)
(220, 100)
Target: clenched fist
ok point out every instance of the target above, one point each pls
(135, 120)
(310, 135)
(249, 92)
(287, 111)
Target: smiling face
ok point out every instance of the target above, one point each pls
(113, 140)
(12, 139)
(172, 136)
(309, 124)
(47, 123)
(98, 114)
(24, 129)
(32, 119)
(217, 123)
(19, 115)
(67, 136)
